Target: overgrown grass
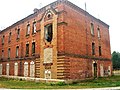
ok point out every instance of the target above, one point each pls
(113, 81)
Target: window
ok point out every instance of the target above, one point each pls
(2, 53)
(27, 49)
(98, 32)
(47, 74)
(100, 52)
(34, 28)
(18, 33)
(9, 39)
(33, 48)
(28, 30)
(48, 33)
(3, 40)
(93, 48)
(92, 29)
(9, 53)
(17, 51)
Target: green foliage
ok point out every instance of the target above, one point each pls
(96, 83)
(116, 60)
(58, 84)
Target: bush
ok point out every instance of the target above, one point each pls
(58, 84)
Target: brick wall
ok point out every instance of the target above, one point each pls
(71, 44)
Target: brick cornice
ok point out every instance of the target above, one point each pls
(82, 56)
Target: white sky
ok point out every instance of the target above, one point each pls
(106, 10)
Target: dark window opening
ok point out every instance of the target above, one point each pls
(9, 39)
(93, 48)
(48, 32)
(2, 53)
(100, 52)
(27, 49)
(18, 33)
(17, 51)
(33, 48)
(8, 53)
(3, 40)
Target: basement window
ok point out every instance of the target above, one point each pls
(48, 33)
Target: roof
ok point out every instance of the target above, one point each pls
(53, 5)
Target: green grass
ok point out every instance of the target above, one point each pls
(113, 81)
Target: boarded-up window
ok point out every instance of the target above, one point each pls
(7, 69)
(32, 69)
(48, 55)
(47, 74)
(16, 69)
(0, 69)
(26, 69)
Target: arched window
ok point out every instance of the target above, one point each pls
(92, 28)
(48, 33)
(98, 32)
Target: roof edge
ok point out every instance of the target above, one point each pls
(53, 4)
(85, 12)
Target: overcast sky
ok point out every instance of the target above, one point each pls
(106, 10)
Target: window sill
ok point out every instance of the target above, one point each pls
(9, 42)
(33, 34)
(28, 35)
(17, 39)
(33, 54)
(17, 57)
(47, 63)
(26, 55)
(92, 35)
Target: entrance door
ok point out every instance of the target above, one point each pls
(95, 70)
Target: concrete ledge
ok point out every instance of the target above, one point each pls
(33, 79)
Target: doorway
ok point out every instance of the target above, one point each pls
(95, 69)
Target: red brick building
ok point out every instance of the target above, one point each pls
(58, 41)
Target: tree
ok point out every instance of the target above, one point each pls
(116, 60)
